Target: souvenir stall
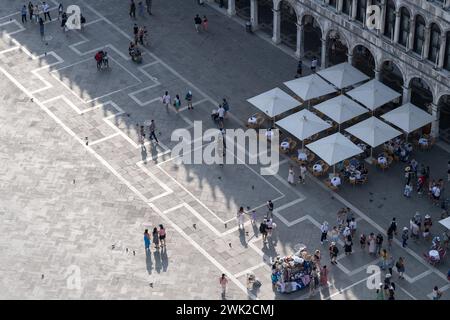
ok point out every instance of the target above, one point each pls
(292, 273)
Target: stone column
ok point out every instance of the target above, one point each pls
(254, 14)
(231, 7)
(383, 18)
(276, 26)
(435, 112)
(340, 5)
(426, 45)
(354, 7)
(406, 94)
(299, 51)
(443, 44)
(323, 56)
(350, 58)
(397, 27)
(377, 74)
(412, 32)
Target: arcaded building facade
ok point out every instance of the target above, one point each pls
(410, 51)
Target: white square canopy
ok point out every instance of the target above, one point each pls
(408, 117)
(303, 124)
(373, 94)
(310, 87)
(445, 222)
(334, 149)
(274, 102)
(373, 131)
(343, 75)
(341, 109)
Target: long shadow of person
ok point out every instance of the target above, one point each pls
(154, 153)
(144, 154)
(164, 259)
(157, 256)
(242, 238)
(148, 261)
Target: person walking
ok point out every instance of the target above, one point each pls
(270, 226)
(379, 243)
(405, 237)
(333, 250)
(221, 113)
(400, 265)
(31, 10)
(348, 244)
(188, 99)
(302, 176)
(60, 10)
(314, 282)
(384, 259)
(162, 235)
(270, 208)
(136, 34)
(352, 226)
(147, 240)
(380, 292)
(334, 234)
(46, 9)
(205, 23)
(253, 217)
(226, 106)
(24, 14)
(155, 237)
(263, 230)
(132, 9)
(324, 231)
(290, 178)
(166, 99)
(197, 23)
(177, 102)
(324, 276)
(314, 64)
(42, 28)
(37, 13)
(141, 9)
(372, 244)
(362, 241)
(240, 217)
(223, 281)
(152, 129)
(436, 294)
(299, 69)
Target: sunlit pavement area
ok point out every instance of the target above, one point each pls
(73, 213)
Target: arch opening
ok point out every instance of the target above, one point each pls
(364, 61)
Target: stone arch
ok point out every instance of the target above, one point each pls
(312, 14)
(421, 92)
(312, 35)
(288, 22)
(337, 46)
(443, 104)
(376, 61)
(390, 60)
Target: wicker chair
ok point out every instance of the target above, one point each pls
(292, 146)
(259, 121)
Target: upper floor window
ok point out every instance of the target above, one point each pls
(419, 35)
(389, 22)
(405, 26)
(447, 52)
(361, 10)
(332, 3)
(435, 35)
(346, 6)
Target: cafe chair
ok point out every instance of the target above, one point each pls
(259, 121)
(329, 185)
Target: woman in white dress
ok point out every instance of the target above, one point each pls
(291, 175)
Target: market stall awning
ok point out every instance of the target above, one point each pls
(274, 102)
(445, 222)
(341, 108)
(334, 149)
(408, 117)
(373, 94)
(303, 124)
(373, 131)
(343, 75)
(310, 87)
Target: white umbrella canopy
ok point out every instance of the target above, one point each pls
(303, 124)
(310, 87)
(408, 117)
(373, 94)
(343, 75)
(334, 149)
(445, 222)
(341, 109)
(373, 131)
(274, 102)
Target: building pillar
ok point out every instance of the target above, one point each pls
(354, 11)
(412, 33)
(299, 51)
(340, 5)
(435, 112)
(443, 45)
(276, 38)
(406, 94)
(426, 45)
(383, 18)
(397, 27)
(377, 74)
(350, 58)
(447, 4)
(231, 7)
(323, 56)
(254, 14)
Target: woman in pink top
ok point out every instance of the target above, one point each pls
(162, 235)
